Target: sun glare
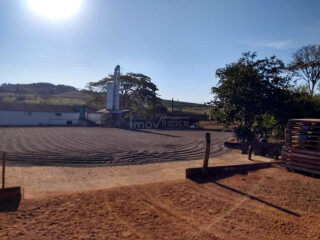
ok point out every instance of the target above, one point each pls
(55, 9)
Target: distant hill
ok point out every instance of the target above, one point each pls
(47, 93)
(182, 109)
(179, 104)
(36, 88)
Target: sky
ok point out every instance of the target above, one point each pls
(178, 43)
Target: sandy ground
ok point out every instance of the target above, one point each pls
(267, 204)
(41, 181)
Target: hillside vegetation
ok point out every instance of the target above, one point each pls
(36, 88)
(67, 95)
(179, 104)
(38, 93)
(182, 108)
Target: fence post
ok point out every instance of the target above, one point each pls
(206, 155)
(250, 150)
(3, 169)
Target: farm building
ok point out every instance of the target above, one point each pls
(94, 116)
(22, 114)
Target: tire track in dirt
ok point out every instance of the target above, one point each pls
(176, 212)
(150, 208)
(139, 231)
(180, 209)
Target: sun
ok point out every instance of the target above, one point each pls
(55, 9)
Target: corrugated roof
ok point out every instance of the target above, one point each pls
(112, 111)
(9, 106)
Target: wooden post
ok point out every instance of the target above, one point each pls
(206, 155)
(250, 150)
(3, 169)
(172, 106)
(277, 153)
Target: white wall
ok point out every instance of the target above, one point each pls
(36, 118)
(94, 117)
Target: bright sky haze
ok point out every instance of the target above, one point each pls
(178, 43)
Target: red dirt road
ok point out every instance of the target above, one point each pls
(267, 204)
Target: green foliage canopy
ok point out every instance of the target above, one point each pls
(247, 90)
(137, 93)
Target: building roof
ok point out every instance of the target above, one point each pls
(12, 106)
(112, 111)
(103, 111)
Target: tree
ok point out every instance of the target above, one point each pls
(301, 104)
(137, 93)
(249, 90)
(306, 65)
(94, 99)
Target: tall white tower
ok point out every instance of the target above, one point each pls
(116, 96)
(113, 96)
(110, 90)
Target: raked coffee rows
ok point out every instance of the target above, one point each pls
(59, 146)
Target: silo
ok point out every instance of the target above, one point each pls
(110, 95)
(116, 99)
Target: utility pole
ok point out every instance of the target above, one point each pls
(206, 155)
(172, 106)
(4, 158)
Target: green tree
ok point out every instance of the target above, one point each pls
(96, 100)
(306, 65)
(301, 104)
(137, 93)
(248, 90)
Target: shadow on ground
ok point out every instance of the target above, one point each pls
(9, 206)
(10, 199)
(216, 178)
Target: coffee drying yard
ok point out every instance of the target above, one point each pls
(59, 146)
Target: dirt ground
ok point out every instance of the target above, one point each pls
(48, 180)
(267, 204)
(87, 146)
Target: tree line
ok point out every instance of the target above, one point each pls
(258, 96)
(40, 88)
